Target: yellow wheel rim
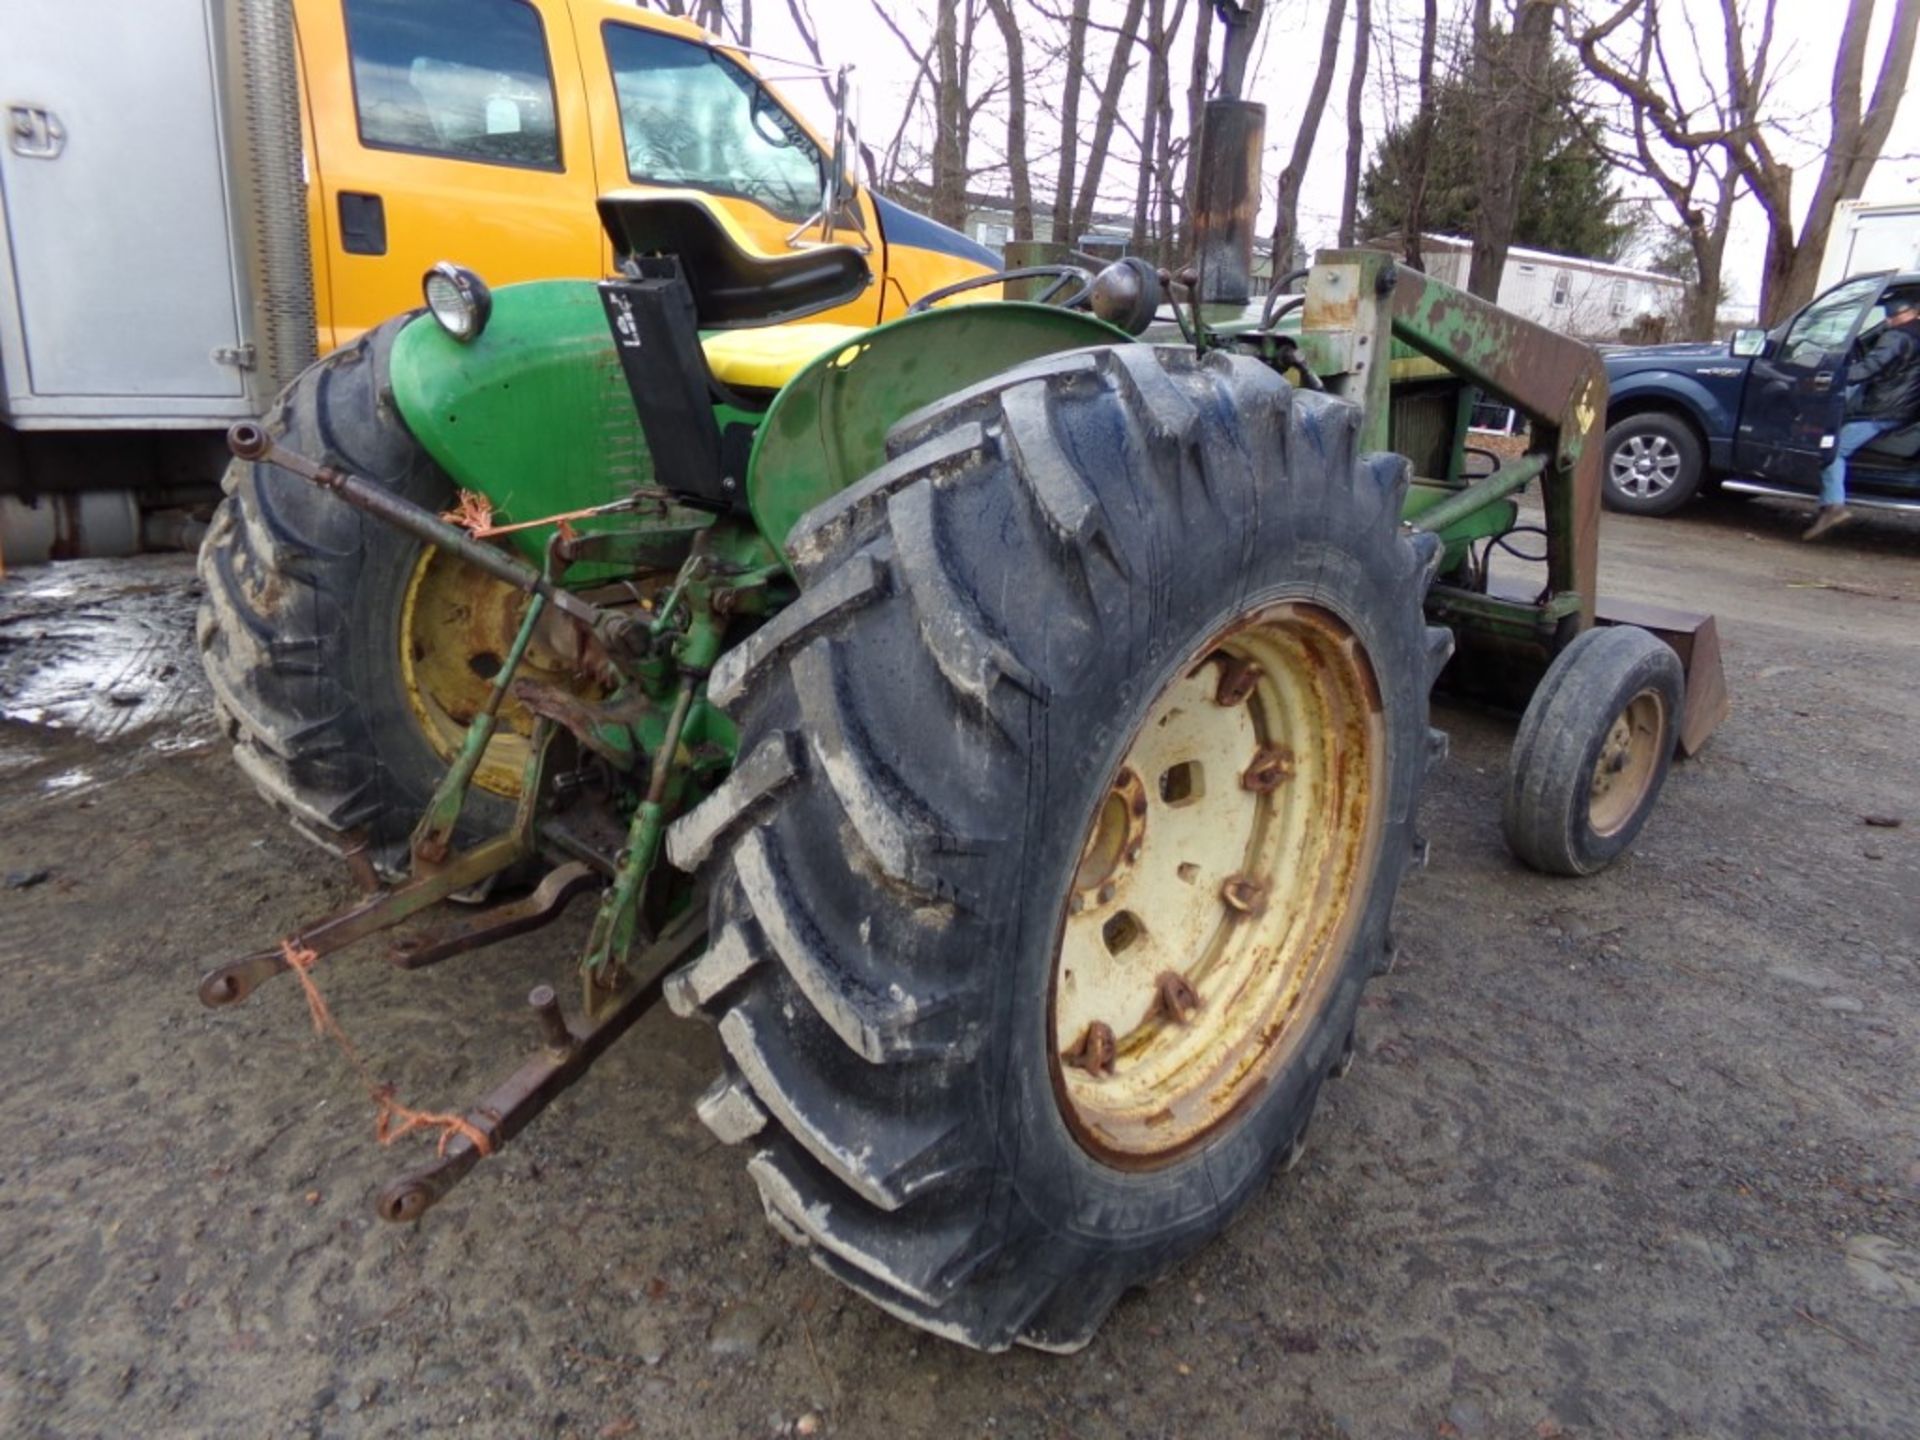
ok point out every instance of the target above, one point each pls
(457, 624)
(1628, 758)
(1221, 877)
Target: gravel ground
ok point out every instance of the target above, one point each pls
(1634, 1157)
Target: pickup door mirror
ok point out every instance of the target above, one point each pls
(1747, 343)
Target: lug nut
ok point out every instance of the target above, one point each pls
(1174, 998)
(1237, 679)
(1093, 1051)
(1272, 767)
(1245, 894)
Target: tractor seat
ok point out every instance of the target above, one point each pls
(767, 358)
(734, 285)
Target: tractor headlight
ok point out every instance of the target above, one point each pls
(459, 300)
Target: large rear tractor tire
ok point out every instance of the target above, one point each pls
(1075, 790)
(346, 658)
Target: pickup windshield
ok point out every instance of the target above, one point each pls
(692, 117)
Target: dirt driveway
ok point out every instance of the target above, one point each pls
(1633, 1157)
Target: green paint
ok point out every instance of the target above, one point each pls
(828, 427)
(1495, 518)
(535, 414)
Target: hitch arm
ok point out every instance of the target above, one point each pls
(569, 1050)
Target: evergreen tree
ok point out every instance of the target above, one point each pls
(1569, 203)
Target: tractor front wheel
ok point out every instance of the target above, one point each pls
(1593, 750)
(1075, 791)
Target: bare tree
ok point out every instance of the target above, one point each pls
(1676, 141)
(1196, 107)
(1509, 75)
(1854, 142)
(1241, 21)
(1076, 63)
(1286, 224)
(1110, 95)
(1356, 119)
(1423, 127)
(1022, 181)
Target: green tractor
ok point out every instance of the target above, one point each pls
(1008, 730)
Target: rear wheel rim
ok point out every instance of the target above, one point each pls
(1629, 757)
(1221, 877)
(457, 624)
(1645, 465)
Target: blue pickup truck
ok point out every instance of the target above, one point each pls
(1758, 414)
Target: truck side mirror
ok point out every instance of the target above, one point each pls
(1747, 343)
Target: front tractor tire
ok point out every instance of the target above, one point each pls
(344, 657)
(1074, 793)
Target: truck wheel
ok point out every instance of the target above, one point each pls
(1593, 751)
(1654, 464)
(345, 657)
(1075, 790)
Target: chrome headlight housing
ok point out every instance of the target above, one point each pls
(459, 300)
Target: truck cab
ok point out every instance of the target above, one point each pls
(1757, 414)
(203, 195)
(483, 131)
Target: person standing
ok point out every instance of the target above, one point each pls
(1883, 393)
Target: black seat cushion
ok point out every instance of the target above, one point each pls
(1901, 444)
(732, 287)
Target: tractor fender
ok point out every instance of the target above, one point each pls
(828, 426)
(534, 413)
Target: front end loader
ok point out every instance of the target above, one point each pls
(1008, 731)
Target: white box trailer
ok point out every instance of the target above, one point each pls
(155, 283)
(1868, 236)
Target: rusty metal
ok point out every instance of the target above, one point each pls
(545, 904)
(553, 1024)
(1237, 679)
(588, 721)
(1272, 767)
(231, 983)
(356, 850)
(1094, 1051)
(248, 441)
(1245, 894)
(1232, 133)
(1174, 998)
(506, 1110)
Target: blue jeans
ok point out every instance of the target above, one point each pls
(1853, 435)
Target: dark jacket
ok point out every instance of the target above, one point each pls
(1891, 373)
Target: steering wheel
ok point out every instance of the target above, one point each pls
(1063, 276)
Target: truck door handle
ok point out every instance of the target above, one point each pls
(34, 132)
(363, 223)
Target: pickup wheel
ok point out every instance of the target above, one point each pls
(1653, 464)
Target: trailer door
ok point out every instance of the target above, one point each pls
(445, 130)
(113, 183)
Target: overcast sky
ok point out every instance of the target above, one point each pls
(1806, 35)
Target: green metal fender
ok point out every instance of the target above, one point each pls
(535, 414)
(828, 427)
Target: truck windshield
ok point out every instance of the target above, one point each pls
(692, 117)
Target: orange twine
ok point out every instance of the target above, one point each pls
(391, 1119)
(474, 514)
